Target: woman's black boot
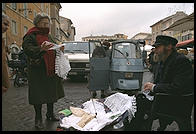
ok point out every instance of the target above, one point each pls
(39, 124)
(51, 117)
(38, 116)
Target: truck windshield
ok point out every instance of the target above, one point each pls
(77, 47)
(128, 50)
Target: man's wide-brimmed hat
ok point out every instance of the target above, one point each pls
(165, 40)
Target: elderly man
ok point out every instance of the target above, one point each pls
(45, 87)
(5, 75)
(175, 74)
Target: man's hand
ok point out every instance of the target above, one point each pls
(4, 89)
(46, 45)
(148, 86)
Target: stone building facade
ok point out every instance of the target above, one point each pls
(147, 37)
(55, 21)
(67, 29)
(21, 17)
(105, 37)
(158, 27)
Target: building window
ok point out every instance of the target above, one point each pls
(163, 26)
(170, 22)
(25, 9)
(183, 38)
(170, 33)
(47, 10)
(13, 6)
(187, 37)
(57, 15)
(14, 27)
(179, 38)
(3, 6)
(35, 13)
(25, 29)
(42, 6)
(57, 33)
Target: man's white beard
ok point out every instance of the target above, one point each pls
(163, 56)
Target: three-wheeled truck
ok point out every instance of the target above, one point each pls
(121, 71)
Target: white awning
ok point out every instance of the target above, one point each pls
(186, 23)
(147, 47)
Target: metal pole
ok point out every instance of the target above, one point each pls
(95, 110)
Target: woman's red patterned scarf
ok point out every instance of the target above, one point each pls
(49, 56)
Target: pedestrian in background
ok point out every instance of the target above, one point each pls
(108, 52)
(106, 46)
(98, 52)
(45, 87)
(175, 75)
(151, 59)
(5, 72)
(144, 56)
(154, 62)
(102, 52)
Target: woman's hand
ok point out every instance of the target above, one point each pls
(46, 45)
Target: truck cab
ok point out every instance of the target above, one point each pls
(122, 70)
(78, 55)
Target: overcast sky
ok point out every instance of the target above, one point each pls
(112, 18)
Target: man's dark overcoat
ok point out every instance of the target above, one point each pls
(177, 76)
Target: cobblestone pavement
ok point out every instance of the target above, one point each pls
(18, 115)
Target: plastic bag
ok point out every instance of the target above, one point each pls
(62, 65)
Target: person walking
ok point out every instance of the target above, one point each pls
(5, 71)
(175, 74)
(45, 87)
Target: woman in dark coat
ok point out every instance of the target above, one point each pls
(45, 87)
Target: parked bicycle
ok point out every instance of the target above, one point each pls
(19, 69)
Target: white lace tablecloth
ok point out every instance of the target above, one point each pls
(118, 103)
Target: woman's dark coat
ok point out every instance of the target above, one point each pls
(42, 89)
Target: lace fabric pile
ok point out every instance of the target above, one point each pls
(62, 66)
(122, 102)
(118, 104)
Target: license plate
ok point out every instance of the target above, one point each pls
(72, 73)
